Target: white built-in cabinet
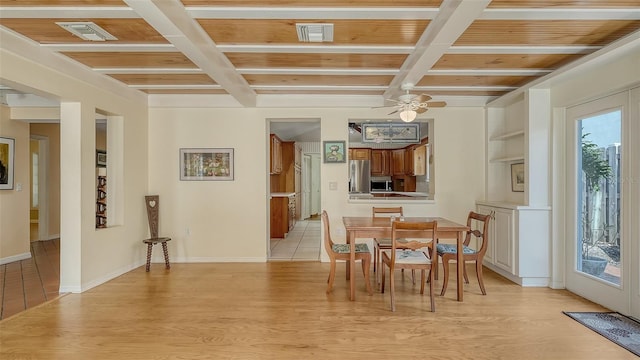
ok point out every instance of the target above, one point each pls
(518, 132)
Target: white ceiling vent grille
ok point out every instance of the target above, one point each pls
(87, 30)
(315, 32)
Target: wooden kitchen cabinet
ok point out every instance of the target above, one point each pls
(359, 154)
(420, 160)
(276, 154)
(283, 211)
(397, 162)
(408, 161)
(380, 162)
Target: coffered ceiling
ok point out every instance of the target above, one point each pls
(450, 49)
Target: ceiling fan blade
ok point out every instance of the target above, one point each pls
(437, 104)
(421, 110)
(393, 112)
(383, 106)
(422, 98)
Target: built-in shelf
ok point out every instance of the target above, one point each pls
(508, 159)
(508, 135)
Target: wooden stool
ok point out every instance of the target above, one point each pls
(153, 210)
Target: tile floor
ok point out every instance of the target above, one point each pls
(301, 244)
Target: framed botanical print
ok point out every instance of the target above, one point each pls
(7, 159)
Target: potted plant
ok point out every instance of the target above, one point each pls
(595, 169)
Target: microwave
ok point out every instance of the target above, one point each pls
(381, 185)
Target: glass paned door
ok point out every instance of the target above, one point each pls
(598, 241)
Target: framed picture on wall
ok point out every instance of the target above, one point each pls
(200, 164)
(101, 158)
(517, 177)
(334, 152)
(7, 157)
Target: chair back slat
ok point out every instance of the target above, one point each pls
(415, 235)
(479, 225)
(153, 213)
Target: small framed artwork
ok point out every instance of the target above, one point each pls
(7, 156)
(101, 158)
(334, 151)
(202, 164)
(517, 177)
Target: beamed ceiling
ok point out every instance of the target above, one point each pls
(466, 49)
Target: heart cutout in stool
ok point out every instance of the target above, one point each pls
(152, 203)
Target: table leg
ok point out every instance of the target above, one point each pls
(348, 264)
(352, 266)
(460, 264)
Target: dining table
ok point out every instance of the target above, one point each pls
(359, 227)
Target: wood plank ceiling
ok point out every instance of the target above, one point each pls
(470, 48)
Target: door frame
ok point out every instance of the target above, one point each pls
(614, 297)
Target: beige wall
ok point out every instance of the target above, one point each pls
(14, 204)
(52, 133)
(227, 220)
(89, 257)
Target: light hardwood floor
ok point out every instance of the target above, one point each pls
(279, 310)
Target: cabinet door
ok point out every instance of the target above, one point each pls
(504, 239)
(276, 155)
(420, 160)
(408, 161)
(489, 256)
(398, 162)
(361, 154)
(380, 162)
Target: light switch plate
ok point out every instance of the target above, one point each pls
(333, 185)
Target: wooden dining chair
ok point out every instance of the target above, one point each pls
(410, 254)
(479, 225)
(382, 243)
(342, 252)
(153, 215)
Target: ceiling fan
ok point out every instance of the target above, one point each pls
(408, 105)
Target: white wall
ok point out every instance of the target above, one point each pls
(88, 256)
(227, 221)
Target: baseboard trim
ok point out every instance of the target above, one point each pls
(10, 259)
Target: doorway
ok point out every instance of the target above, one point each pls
(600, 214)
(299, 142)
(38, 209)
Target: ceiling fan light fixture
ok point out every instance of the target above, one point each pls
(408, 115)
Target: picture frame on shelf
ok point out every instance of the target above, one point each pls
(7, 160)
(517, 177)
(101, 158)
(206, 164)
(334, 151)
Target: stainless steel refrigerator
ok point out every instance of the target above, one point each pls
(359, 176)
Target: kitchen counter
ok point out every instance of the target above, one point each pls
(387, 196)
(282, 194)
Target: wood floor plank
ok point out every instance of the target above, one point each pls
(279, 310)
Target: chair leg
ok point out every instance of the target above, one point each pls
(432, 296)
(479, 273)
(332, 276)
(422, 280)
(435, 267)
(382, 268)
(166, 255)
(413, 276)
(445, 275)
(464, 273)
(392, 290)
(375, 257)
(149, 249)
(366, 265)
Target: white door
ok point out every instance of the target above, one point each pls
(600, 209)
(306, 186)
(315, 184)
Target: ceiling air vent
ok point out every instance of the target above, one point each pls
(87, 30)
(315, 32)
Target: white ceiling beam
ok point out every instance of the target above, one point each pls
(171, 20)
(453, 19)
(561, 14)
(315, 13)
(71, 12)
